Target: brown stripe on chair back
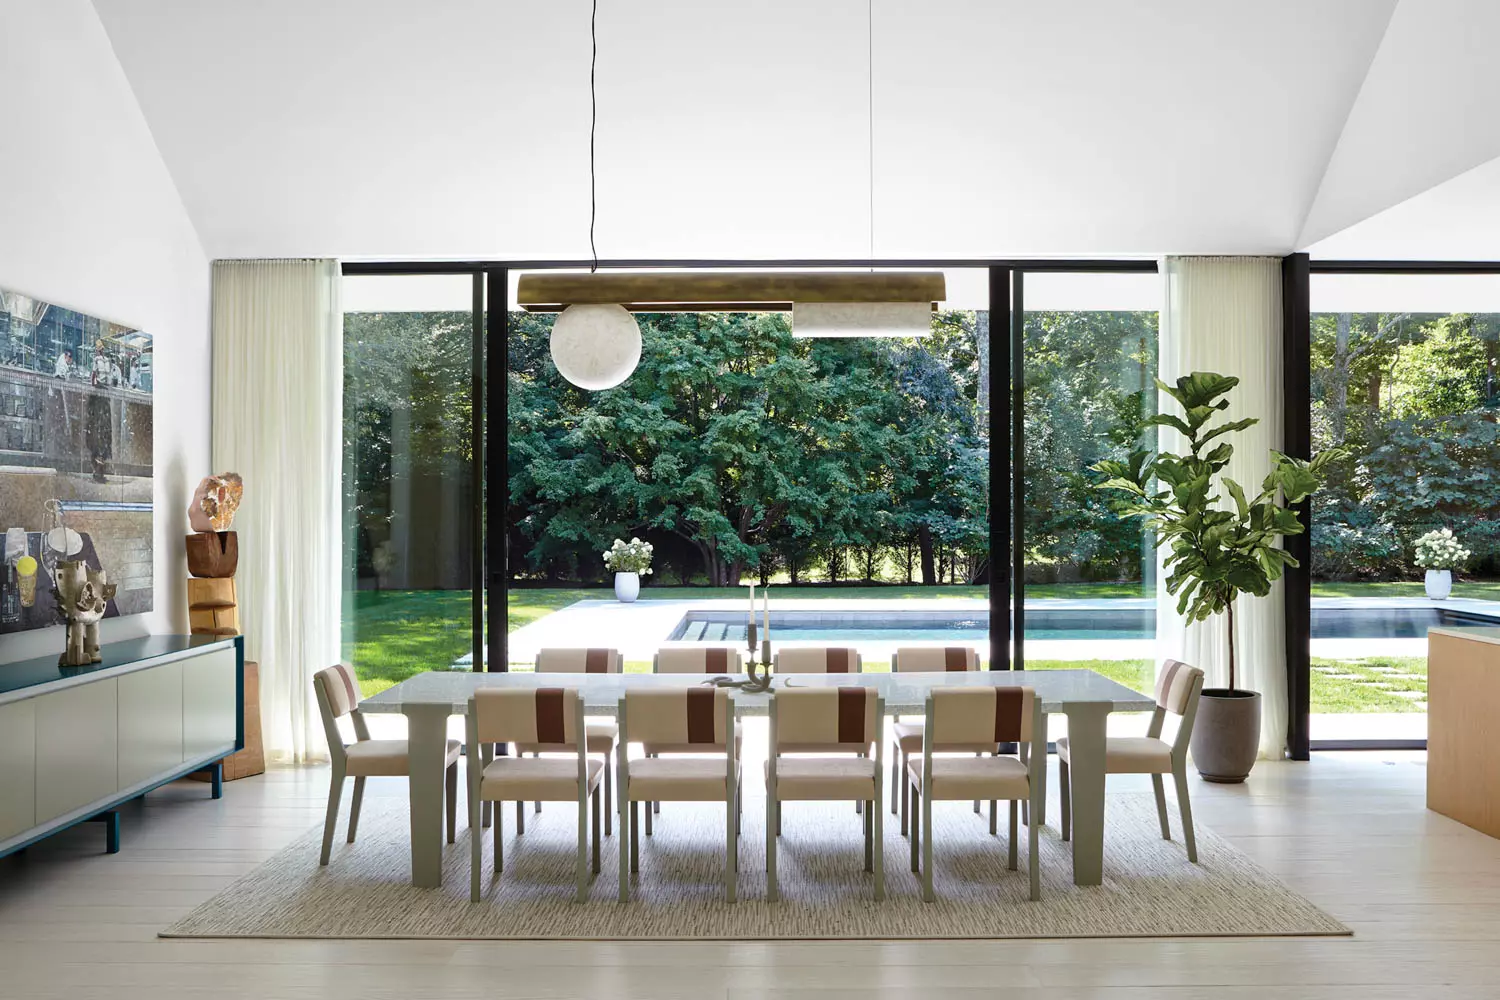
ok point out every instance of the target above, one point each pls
(518, 715)
(551, 725)
(817, 660)
(578, 661)
(852, 703)
(1174, 685)
(1010, 714)
(340, 687)
(842, 661)
(701, 703)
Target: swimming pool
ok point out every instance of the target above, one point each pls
(1042, 624)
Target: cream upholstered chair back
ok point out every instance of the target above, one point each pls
(935, 658)
(579, 661)
(981, 715)
(539, 715)
(818, 660)
(1178, 688)
(696, 660)
(337, 691)
(691, 717)
(844, 719)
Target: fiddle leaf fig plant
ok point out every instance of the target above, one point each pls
(1222, 542)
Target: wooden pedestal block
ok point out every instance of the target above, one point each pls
(252, 759)
(213, 606)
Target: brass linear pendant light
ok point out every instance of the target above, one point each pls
(596, 342)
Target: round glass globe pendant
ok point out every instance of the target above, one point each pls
(595, 346)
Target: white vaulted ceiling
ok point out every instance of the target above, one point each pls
(459, 128)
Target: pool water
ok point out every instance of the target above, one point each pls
(1043, 623)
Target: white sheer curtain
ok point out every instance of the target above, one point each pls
(1223, 314)
(277, 421)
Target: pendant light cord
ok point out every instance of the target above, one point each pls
(593, 125)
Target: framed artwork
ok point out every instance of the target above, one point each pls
(75, 457)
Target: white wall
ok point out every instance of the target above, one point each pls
(90, 219)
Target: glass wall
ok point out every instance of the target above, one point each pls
(849, 475)
(1404, 379)
(1090, 361)
(408, 482)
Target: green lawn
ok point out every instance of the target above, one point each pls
(399, 633)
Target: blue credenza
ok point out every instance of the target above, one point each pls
(75, 742)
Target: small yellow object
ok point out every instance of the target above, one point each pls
(26, 566)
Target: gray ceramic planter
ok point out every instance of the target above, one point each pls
(1226, 735)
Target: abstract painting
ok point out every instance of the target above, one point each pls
(75, 457)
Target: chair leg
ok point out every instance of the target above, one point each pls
(1033, 858)
(739, 807)
(476, 849)
(484, 814)
(878, 838)
(905, 791)
(1187, 813)
(451, 791)
(1159, 787)
(635, 839)
(928, 896)
(1066, 793)
(1025, 754)
(335, 791)
(773, 893)
(520, 818)
(624, 846)
(895, 779)
(914, 798)
(731, 850)
(1015, 831)
(976, 801)
(994, 815)
(499, 834)
(648, 811)
(538, 756)
(354, 804)
(581, 855)
(859, 805)
(609, 791)
(869, 841)
(597, 824)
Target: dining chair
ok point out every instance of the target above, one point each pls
(843, 721)
(708, 660)
(818, 660)
(546, 716)
(1178, 688)
(337, 691)
(906, 734)
(972, 715)
(700, 718)
(600, 734)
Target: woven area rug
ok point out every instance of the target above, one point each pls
(1149, 890)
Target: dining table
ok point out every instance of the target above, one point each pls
(1085, 697)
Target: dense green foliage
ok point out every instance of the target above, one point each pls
(1414, 398)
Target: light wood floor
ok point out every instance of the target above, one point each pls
(1349, 831)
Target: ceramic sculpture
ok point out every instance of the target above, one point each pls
(82, 594)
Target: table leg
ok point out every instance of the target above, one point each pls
(1086, 734)
(1040, 737)
(427, 738)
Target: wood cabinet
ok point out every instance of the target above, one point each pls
(1463, 701)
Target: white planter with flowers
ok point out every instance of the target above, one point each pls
(630, 561)
(1439, 553)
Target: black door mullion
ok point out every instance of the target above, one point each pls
(1018, 462)
(497, 473)
(1000, 458)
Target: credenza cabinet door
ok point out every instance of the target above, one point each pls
(17, 768)
(76, 741)
(150, 722)
(210, 703)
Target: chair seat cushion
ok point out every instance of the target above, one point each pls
(700, 748)
(536, 779)
(974, 778)
(824, 778)
(600, 737)
(908, 736)
(386, 758)
(1130, 755)
(678, 779)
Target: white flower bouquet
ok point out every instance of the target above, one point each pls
(633, 556)
(1440, 550)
